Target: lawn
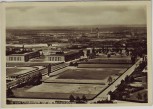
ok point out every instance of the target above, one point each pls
(90, 73)
(58, 91)
(110, 60)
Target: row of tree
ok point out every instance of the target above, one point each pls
(78, 99)
(121, 93)
(35, 80)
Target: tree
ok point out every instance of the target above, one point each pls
(8, 102)
(71, 64)
(84, 98)
(77, 99)
(40, 75)
(34, 80)
(145, 96)
(110, 92)
(39, 78)
(127, 79)
(10, 92)
(131, 79)
(133, 56)
(112, 96)
(75, 64)
(110, 79)
(122, 82)
(71, 98)
(139, 96)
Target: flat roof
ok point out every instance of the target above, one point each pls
(68, 53)
(22, 54)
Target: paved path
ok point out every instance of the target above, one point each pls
(104, 94)
(120, 102)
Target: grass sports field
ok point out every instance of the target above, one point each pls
(77, 86)
(90, 73)
(59, 91)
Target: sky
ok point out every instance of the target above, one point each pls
(50, 16)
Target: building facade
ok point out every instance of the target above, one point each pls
(22, 57)
(68, 56)
(55, 58)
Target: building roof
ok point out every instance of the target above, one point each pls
(22, 54)
(68, 53)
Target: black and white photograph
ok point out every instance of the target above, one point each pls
(77, 53)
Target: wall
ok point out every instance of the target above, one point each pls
(21, 57)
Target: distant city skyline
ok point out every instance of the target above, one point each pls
(59, 16)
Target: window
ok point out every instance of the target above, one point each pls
(55, 58)
(18, 58)
(52, 58)
(10, 58)
(14, 58)
(59, 59)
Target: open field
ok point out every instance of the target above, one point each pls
(110, 60)
(59, 91)
(75, 81)
(103, 59)
(92, 81)
(93, 65)
(90, 73)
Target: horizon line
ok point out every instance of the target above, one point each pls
(74, 26)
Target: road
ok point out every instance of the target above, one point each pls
(104, 94)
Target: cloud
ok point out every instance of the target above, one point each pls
(75, 15)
